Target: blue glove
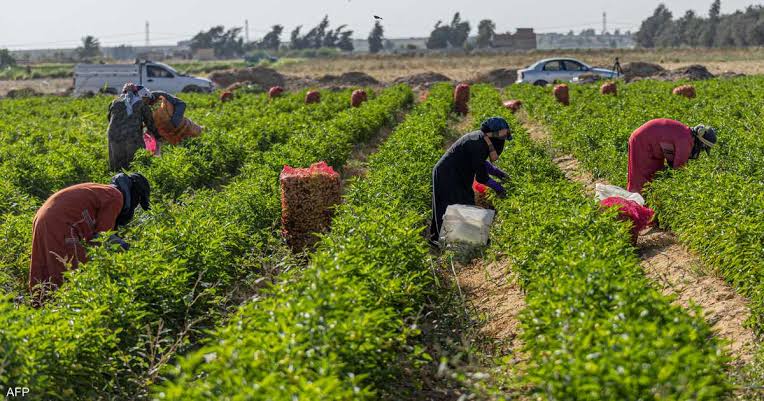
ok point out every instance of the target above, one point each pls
(496, 187)
(494, 171)
(113, 239)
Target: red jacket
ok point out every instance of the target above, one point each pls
(69, 217)
(652, 145)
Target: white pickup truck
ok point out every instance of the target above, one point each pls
(109, 78)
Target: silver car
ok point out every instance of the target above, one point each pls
(559, 69)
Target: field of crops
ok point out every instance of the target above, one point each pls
(209, 304)
(716, 204)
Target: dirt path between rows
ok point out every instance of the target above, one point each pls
(674, 269)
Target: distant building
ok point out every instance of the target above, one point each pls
(523, 39)
(392, 45)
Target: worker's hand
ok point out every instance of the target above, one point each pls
(114, 240)
(501, 194)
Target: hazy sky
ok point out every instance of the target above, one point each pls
(61, 23)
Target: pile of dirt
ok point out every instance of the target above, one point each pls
(692, 73)
(639, 69)
(422, 80)
(353, 78)
(731, 74)
(265, 77)
(245, 87)
(500, 77)
(22, 92)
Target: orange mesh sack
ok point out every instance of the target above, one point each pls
(687, 91)
(173, 135)
(513, 105)
(461, 98)
(562, 94)
(308, 198)
(609, 88)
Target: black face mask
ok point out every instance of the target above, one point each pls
(498, 144)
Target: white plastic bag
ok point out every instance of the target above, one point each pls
(606, 191)
(466, 225)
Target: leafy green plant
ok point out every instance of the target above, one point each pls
(593, 328)
(337, 328)
(714, 203)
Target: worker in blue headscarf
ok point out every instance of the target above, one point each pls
(467, 160)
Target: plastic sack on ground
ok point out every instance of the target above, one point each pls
(463, 224)
(629, 210)
(151, 143)
(308, 198)
(603, 192)
(172, 134)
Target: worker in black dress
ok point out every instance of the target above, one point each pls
(465, 162)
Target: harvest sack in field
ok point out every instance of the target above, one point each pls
(151, 143)
(275, 92)
(562, 94)
(308, 198)
(358, 97)
(461, 98)
(172, 134)
(313, 97)
(513, 105)
(687, 91)
(481, 196)
(629, 210)
(609, 88)
(603, 192)
(463, 224)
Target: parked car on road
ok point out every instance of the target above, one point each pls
(109, 78)
(559, 69)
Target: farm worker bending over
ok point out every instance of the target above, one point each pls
(465, 162)
(127, 116)
(664, 140)
(78, 214)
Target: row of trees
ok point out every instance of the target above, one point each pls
(741, 28)
(229, 43)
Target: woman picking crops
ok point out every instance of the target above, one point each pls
(465, 162)
(662, 141)
(75, 215)
(127, 116)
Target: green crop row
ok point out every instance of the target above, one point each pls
(714, 204)
(200, 162)
(336, 329)
(105, 332)
(594, 328)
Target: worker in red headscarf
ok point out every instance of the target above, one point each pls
(663, 141)
(76, 215)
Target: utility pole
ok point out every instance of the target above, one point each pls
(148, 40)
(246, 31)
(604, 22)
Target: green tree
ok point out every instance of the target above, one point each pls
(708, 36)
(272, 40)
(226, 44)
(460, 31)
(454, 35)
(90, 48)
(486, 30)
(6, 59)
(653, 25)
(439, 36)
(376, 38)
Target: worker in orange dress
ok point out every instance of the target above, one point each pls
(74, 216)
(663, 141)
